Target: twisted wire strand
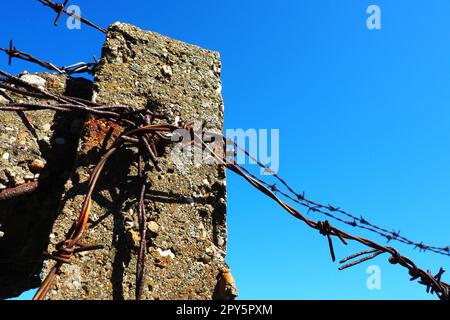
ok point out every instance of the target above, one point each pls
(138, 128)
(331, 211)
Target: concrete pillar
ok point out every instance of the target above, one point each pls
(186, 203)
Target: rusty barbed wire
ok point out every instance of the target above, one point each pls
(329, 210)
(139, 131)
(136, 121)
(64, 251)
(60, 8)
(300, 198)
(12, 52)
(80, 67)
(18, 191)
(432, 283)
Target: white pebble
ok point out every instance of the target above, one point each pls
(33, 80)
(76, 284)
(165, 253)
(94, 96)
(5, 156)
(29, 176)
(166, 71)
(129, 224)
(220, 241)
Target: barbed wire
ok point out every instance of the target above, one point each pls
(128, 117)
(330, 211)
(60, 8)
(357, 221)
(433, 283)
(139, 132)
(80, 67)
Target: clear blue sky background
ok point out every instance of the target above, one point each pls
(364, 119)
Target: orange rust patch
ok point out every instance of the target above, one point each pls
(227, 286)
(96, 131)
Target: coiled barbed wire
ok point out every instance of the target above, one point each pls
(139, 131)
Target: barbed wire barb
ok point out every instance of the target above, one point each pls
(138, 128)
(60, 8)
(357, 221)
(80, 67)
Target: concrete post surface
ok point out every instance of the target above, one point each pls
(37, 151)
(185, 203)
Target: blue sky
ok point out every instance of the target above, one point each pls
(363, 118)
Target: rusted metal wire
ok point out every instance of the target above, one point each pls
(140, 265)
(21, 190)
(60, 8)
(81, 67)
(375, 253)
(433, 283)
(12, 52)
(63, 254)
(332, 211)
(137, 122)
(139, 128)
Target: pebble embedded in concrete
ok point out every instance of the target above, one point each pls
(37, 165)
(165, 253)
(191, 85)
(220, 241)
(135, 237)
(34, 80)
(167, 71)
(153, 227)
(29, 177)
